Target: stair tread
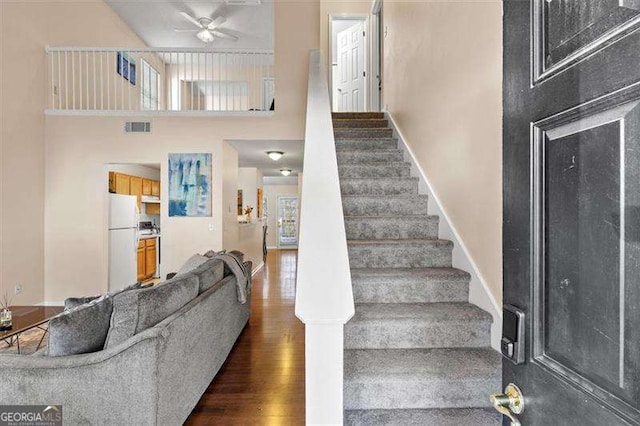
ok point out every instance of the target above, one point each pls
(424, 416)
(412, 273)
(436, 312)
(393, 178)
(402, 241)
(421, 365)
(385, 164)
(400, 217)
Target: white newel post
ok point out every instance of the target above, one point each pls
(324, 356)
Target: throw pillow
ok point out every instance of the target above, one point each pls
(209, 273)
(74, 302)
(137, 310)
(80, 330)
(192, 263)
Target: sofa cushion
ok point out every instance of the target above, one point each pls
(192, 263)
(209, 273)
(74, 302)
(137, 310)
(82, 329)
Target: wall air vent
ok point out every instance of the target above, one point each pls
(137, 127)
(243, 2)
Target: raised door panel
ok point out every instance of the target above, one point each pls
(146, 186)
(150, 261)
(567, 31)
(155, 188)
(142, 274)
(122, 184)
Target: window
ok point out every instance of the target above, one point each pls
(149, 87)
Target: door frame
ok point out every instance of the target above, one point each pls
(367, 53)
(375, 44)
(278, 227)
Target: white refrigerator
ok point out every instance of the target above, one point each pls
(123, 241)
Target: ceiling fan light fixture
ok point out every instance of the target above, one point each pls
(206, 36)
(285, 172)
(275, 155)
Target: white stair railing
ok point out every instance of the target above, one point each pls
(155, 80)
(324, 297)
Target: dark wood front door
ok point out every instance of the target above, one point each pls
(572, 207)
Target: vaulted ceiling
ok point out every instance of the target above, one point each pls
(155, 22)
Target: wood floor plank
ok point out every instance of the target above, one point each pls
(262, 381)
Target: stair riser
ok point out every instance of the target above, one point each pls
(366, 172)
(411, 393)
(368, 157)
(378, 187)
(413, 333)
(397, 256)
(365, 144)
(384, 206)
(357, 115)
(363, 133)
(365, 291)
(359, 123)
(433, 417)
(391, 228)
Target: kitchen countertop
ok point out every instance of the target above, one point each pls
(148, 236)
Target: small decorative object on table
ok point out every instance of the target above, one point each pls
(247, 213)
(6, 319)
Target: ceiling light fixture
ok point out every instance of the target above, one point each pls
(285, 172)
(206, 36)
(275, 155)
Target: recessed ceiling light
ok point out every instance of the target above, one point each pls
(285, 172)
(275, 155)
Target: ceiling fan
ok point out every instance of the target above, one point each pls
(207, 29)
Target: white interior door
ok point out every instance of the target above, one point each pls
(349, 89)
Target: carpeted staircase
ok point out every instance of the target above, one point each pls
(416, 351)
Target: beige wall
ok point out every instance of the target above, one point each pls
(272, 192)
(54, 220)
(26, 28)
(442, 85)
(338, 8)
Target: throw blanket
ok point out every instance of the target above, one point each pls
(243, 276)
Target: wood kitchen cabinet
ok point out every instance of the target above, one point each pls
(142, 260)
(155, 188)
(135, 188)
(147, 253)
(146, 186)
(119, 183)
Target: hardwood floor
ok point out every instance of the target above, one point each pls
(262, 381)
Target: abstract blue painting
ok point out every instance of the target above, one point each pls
(190, 185)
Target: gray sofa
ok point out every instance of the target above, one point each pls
(155, 377)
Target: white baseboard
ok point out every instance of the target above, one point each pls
(272, 247)
(50, 303)
(257, 268)
(479, 293)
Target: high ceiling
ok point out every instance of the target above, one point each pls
(253, 153)
(155, 22)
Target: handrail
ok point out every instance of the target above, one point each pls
(324, 296)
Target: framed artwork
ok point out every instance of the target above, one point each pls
(259, 204)
(190, 185)
(127, 67)
(240, 203)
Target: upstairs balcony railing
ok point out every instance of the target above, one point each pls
(148, 81)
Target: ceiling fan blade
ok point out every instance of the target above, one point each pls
(191, 19)
(226, 36)
(195, 30)
(217, 22)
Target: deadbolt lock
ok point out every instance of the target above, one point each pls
(509, 403)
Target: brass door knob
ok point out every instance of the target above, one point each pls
(509, 403)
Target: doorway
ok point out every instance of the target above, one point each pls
(287, 222)
(348, 53)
